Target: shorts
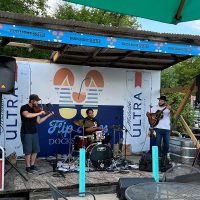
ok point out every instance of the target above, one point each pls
(30, 143)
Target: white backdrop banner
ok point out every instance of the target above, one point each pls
(118, 96)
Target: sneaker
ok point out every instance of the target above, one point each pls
(29, 171)
(34, 168)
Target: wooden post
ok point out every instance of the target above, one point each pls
(183, 103)
(189, 132)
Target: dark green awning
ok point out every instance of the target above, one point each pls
(168, 11)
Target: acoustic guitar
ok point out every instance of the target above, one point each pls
(154, 118)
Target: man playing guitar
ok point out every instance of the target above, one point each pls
(161, 113)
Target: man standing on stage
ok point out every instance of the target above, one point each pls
(29, 135)
(162, 129)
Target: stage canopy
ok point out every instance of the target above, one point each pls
(168, 11)
(87, 44)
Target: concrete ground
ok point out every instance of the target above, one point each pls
(97, 196)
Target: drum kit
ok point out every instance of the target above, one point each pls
(99, 154)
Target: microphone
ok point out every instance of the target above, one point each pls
(49, 105)
(127, 131)
(82, 85)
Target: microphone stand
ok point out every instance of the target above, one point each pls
(126, 131)
(125, 142)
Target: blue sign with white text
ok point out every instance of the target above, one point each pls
(58, 36)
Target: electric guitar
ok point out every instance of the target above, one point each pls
(154, 118)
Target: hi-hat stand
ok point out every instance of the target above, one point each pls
(6, 159)
(69, 159)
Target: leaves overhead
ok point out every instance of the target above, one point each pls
(95, 16)
(29, 7)
(64, 11)
(182, 75)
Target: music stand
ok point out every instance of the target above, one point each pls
(12, 166)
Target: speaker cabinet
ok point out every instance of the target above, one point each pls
(124, 183)
(7, 74)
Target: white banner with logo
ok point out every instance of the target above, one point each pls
(114, 93)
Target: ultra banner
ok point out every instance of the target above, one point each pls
(118, 97)
(33, 33)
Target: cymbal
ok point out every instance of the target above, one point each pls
(116, 127)
(85, 123)
(79, 122)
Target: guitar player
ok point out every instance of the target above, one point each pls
(162, 126)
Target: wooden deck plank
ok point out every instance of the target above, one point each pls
(37, 182)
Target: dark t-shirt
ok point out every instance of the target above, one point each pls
(28, 124)
(88, 123)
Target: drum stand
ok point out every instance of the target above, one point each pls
(88, 160)
(69, 157)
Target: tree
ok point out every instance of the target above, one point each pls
(29, 7)
(39, 7)
(180, 75)
(68, 11)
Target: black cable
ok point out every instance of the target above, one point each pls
(82, 86)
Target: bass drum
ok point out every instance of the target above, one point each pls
(101, 156)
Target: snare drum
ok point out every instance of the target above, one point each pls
(81, 142)
(99, 136)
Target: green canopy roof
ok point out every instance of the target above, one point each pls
(168, 11)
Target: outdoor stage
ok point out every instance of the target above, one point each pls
(96, 182)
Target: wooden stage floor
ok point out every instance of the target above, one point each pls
(37, 188)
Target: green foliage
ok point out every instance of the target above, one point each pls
(188, 113)
(187, 70)
(29, 7)
(95, 16)
(182, 75)
(169, 78)
(24, 52)
(39, 7)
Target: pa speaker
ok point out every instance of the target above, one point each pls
(124, 183)
(7, 74)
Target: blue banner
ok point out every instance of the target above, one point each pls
(54, 134)
(41, 34)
